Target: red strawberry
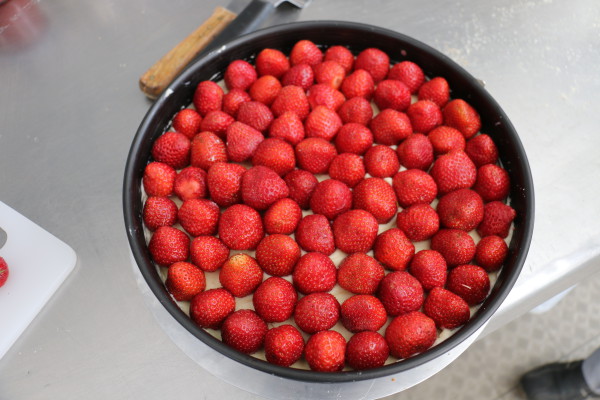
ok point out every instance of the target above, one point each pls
(233, 99)
(424, 115)
(416, 151)
(158, 179)
(242, 141)
(284, 345)
(330, 73)
(305, 52)
(314, 272)
(289, 127)
(208, 253)
(482, 150)
(314, 234)
(169, 245)
(471, 282)
(244, 330)
(324, 95)
(445, 139)
(184, 280)
(271, 62)
(208, 96)
(490, 253)
(207, 149)
(357, 110)
(255, 114)
(187, 121)
(408, 73)
(374, 61)
(276, 154)
(393, 249)
(325, 351)
(453, 171)
(299, 75)
(410, 334)
(190, 183)
(210, 308)
(265, 89)
(316, 312)
(418, 222)
(381, 161)
(315, 155)
(239, 74)
(348, 168)
(277, 254)
(354, 231)
(392, 94)
(240, 275)
(331, 198)
(199, 217)
(497, 219)
(353, 138)
(322, 122)
(217, 122)
(390, 127)
(159, 211)
(261, 187)
(240, 227)
(436, 90)
(224, 182)
(3, 271)
(358, 84)
(366, 350)
(377, 197)
(447, 309)
(274, 299)
(460, 115)
(492, 182)
(460, 209)
(360, 274)
(282, 217)
(413, 186)
(301, 185)
(456, 245)
(400, 293)
(341, 55)
(363, 312)
(291, 98)
(430, 268)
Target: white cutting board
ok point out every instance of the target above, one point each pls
(38, 263)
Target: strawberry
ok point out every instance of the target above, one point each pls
(299, 75)
(244, 331)
(261, 187)
(242, 141)
(445, 139)
(314, 234)
(324, 95)
(341, 55)
(482, 150)
(490, 253)
(255, 114)
(375, 62)
(325, 351)
(357, 110)
(217, 122)
(240, 275)
(291, 98)
(393, 249)
(460, 115)
(277, 254)
(436, 90)
(410, 334)
(353, 138)
(159, 179)
(492, 182)
(355, 231)
(190, 183)
(271, 62)
(348, 168)
(447, 309)
(169, 245)
(377, 197)
(210, 308)
(240, 227)
(239, 74)
(276, 154)
(159, 211)
(424, 115)
(366, 350)
(274, 299)
(381, 161)
(265, 89)
(322, 122)
(392, 94)
(400, 293)
(184, 280)
(199, 217)
(363, 312)
(282, 217)
(430, 268)
(453, 171)
(187, 121)
(360, 274)
(316, 312)
(207, 149)
(330, 73)
(497, 219)
(456, 245)
(416, 152)
(418, 222)
(314, 272)
(234, 98)
(471, 282)
(4, 271)
(284, 345)
(305, 52)
(408, 73)
(390, 127)
(289, 127)
(358, 84)
(414, 186)
(301, 185)
(315, 155)
(460, 209)
(208, 96)
(224, 183)
(331, 198)
(208, 253)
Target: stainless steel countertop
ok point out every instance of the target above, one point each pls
(70, 105)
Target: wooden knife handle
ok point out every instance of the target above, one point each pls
(162, 73)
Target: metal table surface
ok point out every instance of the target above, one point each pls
(70, 105)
